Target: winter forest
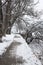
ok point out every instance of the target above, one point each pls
(21, 32)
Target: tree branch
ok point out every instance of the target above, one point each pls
(35, 3)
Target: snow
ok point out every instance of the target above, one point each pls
(33, 35)
(37, 49)
(14, 28)
(7, 40)
(24, 51)
(18, 27)
(36, 34)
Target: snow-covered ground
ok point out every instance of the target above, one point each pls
(7, 40)
(23, 50)
(37, 49)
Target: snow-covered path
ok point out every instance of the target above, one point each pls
(20, 53)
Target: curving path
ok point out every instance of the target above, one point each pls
(19, 53)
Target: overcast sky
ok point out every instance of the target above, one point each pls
(39, 5)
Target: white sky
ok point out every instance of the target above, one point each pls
(40, 5)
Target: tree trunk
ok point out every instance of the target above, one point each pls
(1, 21)
(7, 22)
